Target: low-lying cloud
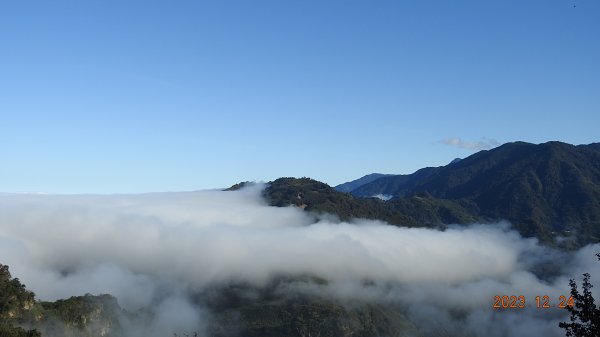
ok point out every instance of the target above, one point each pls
(153, 249)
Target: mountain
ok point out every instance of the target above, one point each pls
(81, 316)
(354, 184)
(390, 185)
(545, 190)
(317, 197)
(16, 304)
(550, 191)
(234, 309)
(270, 313)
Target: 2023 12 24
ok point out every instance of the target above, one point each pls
(541, 302)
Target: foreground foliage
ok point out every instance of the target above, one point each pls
(585, 315)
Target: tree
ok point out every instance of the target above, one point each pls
(7, 330)
(585, 315)
(13, 299)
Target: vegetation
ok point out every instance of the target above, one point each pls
(548, 190)
(85, 315)
(266, 312)
(429, 211)
(236, 310)
(318, 197)
(585, 315)
(15, 300)
(238, 186)
(77, 316)
(352, 185)
(8, 330)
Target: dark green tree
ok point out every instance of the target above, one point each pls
(13, 298)
(7, 330)
(585, 315)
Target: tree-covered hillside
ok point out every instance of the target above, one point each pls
(16, 305)
(234, 310)
(318, 197)
(79, 316)
(545, 190)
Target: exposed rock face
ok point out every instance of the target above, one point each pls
(81, 316)
(85, 316)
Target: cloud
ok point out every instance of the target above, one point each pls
(152, 250)
(483, 144)
(384, 197)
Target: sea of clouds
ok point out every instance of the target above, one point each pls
(153, 250)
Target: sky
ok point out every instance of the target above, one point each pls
(138, 96)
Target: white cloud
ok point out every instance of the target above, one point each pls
(135, 245)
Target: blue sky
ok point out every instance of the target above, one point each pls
(137, 96)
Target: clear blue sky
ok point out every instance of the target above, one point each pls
(134, 96)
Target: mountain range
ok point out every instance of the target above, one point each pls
(550, 191)
(354, 184)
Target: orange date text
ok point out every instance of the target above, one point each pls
(540, 302)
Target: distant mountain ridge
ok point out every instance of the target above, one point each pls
(364, 180)
(542, 189)
(354, 184)
(550, 191)
(389, 185)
